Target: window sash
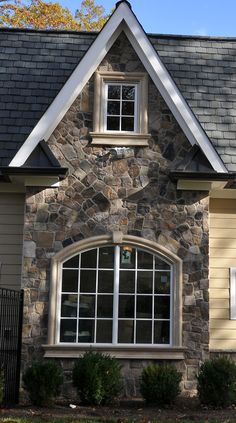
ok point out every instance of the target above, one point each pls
(120, 116)
(116, 296)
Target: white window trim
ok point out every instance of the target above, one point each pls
(174, 351)
(233, 293)
(115, 320)
(136, 106)
(100, 135)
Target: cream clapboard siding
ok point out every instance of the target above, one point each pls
(222, 252)
(11, 236)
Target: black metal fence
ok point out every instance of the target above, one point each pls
(11, 310)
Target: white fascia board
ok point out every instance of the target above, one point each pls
(87, 67)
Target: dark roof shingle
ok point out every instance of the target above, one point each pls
(34, 65)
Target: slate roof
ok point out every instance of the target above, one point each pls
(34, 65)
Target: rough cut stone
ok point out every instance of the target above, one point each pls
(129, 191)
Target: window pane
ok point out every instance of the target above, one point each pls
(126, 332)
(161, 333)
(106, 258)
(127, 124)
(128, 108)
(145, 282)
(105, 281)
(89, 259)
(160, 264)
(127, 282)
(86, 331)
(113, 123)
(70, 281)
(73, 262)
(144, 307)
(126, 306)
(68, 330)
(162, 282)
(114, 91)
(87, 306)
(128, 92)
(143, 332)
(105, 306)
(104, 331)
(162, 308)
(113, 108)
(69, 305)
(127, 257)
(145, 260)
(87, 281)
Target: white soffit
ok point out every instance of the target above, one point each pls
(122, 19)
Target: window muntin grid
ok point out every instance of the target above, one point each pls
(117, 295)
(121, 107)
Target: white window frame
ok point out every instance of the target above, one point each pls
(116, 295)
(233, 293)
(100, 135)
(136, 107)
(147, 351)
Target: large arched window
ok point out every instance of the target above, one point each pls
(115, 291)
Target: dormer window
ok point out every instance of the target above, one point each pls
(120, 109)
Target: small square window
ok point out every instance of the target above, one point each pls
(120, 109)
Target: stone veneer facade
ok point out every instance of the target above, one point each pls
(129, 192)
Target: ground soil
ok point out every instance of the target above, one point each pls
(184, 409)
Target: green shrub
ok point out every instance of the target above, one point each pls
(217, 382)
(160, 384)
(43, 381)
(97, 378)
(1, 386)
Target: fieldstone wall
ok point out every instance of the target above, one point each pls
(112, 189)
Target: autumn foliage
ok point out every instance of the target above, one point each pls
(39, 14)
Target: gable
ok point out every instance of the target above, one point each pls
(36, 64)
(168, 146)
(122, 19)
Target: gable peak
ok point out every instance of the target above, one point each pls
(123, 1)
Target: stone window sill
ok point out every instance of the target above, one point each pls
(135, 352)
(120, 139)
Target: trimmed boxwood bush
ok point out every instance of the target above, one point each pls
(217, 382)
(160, 384)
(43, 380)
(97, 378)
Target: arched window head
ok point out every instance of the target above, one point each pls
(119, 291)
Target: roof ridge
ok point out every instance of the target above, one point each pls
(53, 31)
(194, 37)
(150, 34)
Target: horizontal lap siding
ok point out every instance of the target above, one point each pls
(11, 236)
(222, 254)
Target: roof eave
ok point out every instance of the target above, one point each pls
(202, 181)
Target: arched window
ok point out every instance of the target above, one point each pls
(123, 293)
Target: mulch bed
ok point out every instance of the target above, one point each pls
(184, 409)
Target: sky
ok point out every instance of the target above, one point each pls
(186, 17)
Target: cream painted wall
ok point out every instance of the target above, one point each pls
(222, 253)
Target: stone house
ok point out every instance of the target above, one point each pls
(118, 204)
